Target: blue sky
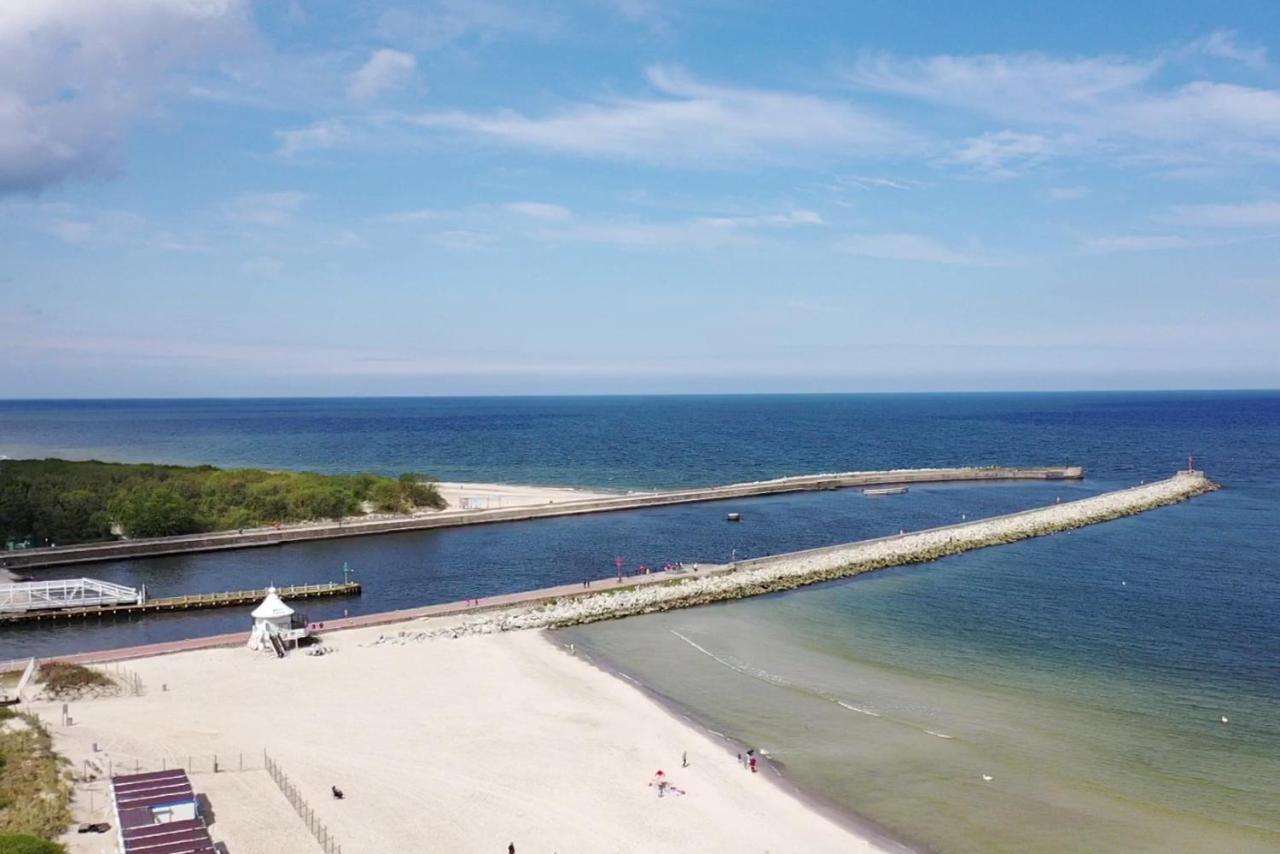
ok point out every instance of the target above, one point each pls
(223, 198)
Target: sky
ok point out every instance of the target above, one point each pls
(339, 197)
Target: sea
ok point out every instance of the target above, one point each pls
(1116, 688)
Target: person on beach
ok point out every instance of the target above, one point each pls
(753, 764)
(684, 759)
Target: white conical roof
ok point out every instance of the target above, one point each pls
(272, 607)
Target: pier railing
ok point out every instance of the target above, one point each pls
(327, 843)
(61, 593)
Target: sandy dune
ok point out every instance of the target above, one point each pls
(449, 745)
(492, 496)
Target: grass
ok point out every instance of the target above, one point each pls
(61, 679)
(25, 843)
(35, 791)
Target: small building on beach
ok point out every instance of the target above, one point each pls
(158, 812)
(275, 624)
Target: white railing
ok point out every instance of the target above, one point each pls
(64, 593)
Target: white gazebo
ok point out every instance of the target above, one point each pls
(273, 624)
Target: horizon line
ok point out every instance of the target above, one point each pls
(126, 399)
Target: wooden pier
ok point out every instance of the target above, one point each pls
(192, 602)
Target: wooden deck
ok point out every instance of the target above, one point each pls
(192, 602)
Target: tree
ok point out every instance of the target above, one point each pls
(155, 512)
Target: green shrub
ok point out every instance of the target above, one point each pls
(60, 502)
(21, 843)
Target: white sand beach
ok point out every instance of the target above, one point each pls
(443, 745)
(493, 496)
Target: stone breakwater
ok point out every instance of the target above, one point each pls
(788, 571)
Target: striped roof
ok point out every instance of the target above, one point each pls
(136, 795)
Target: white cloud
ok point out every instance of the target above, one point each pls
(419, 215)
(480, 225)
(1003, 153)
(912, 247)
(320, 136)
(72, 231)
(433, 24)
(539, 210)
(459, 239)
(1223, 45)
(274, 209)
(690, 122)
(77, 74)
(386, 70)
(1068, 194)
(870, 182)
(1137, 243)
(1264, 214)
(1117, 108)
(1020, 87)
(785, 220)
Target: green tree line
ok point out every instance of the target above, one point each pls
(63, 502)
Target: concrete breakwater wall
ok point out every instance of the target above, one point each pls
(788, 571)
(124, 549)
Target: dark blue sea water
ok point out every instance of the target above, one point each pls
(642, 442)
(1086, 673)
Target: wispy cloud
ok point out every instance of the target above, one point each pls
(273, 209)
(689, 122)
(539, 210)
(1224, 44)
(914, 247)
(1067, 194)
(1002, 154)
(545, 222)
(433, 24)
(318, 136)
(1153, 108)
(1260, 214)
(1136, 243)
(385, 71)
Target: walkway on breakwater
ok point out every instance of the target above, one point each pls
(124, 549)
(571, 604)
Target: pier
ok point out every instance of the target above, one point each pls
(86, 608)
(609, 598)
(126, 549)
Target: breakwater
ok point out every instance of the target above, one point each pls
(788, 571)
(69, 555)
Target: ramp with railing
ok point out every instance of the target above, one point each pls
(60, 594)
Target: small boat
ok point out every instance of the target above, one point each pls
(734, 517)
(885, 490)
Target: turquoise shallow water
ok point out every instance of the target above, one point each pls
(1085, 673)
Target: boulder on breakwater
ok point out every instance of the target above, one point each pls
(789, 571)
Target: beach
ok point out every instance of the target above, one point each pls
(494, 496)
(460, 745)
